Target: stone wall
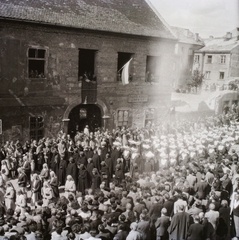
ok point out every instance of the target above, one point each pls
(61, 73)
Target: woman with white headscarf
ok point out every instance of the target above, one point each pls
(70, 186)
(10, 196)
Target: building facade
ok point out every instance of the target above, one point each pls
(61, 65)
(219, 59)
(188, 42)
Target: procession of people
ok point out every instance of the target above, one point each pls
(176, 181)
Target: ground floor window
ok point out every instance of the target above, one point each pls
(123, 118)
(221, 75)
(149, 116)
(36, 128)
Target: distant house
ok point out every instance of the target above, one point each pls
(61, 63)
(219, 59)
(188, 43)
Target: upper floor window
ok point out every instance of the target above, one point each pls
(221, 75)
(152, 68)
(124, 58)
(223, 58)
(36, 63)
(86, 68)
(196, 59)
(209, 58)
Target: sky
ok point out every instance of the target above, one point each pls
(206, 17)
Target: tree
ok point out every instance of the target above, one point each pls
(197, 78)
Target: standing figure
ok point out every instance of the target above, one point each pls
(96, 179)
(70, 186)
(178, 228)
(54, 184)
(47, 194)
(105, 175)
(62, 172)
(82, 179)
(10, 196)
(72, 169)
(36, 189)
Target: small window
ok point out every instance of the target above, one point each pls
(221, 75)
(190, 52)
(209, 59)
(149, 116)
(36, 128)
(123, 58)
(36, 63)
(223, 59)
(207, 74)
(196, 59)
(152, 69)
(123, 118)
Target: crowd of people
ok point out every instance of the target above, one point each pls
(171, 181)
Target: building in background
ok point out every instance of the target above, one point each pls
(188, 42)
(61, 64)
(219, 59)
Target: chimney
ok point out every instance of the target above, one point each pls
(211, 37)
(228, 35)
(186, 32)
(196, 37)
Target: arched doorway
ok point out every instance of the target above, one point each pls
(82, 115)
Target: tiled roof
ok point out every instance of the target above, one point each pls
(121, 16)
(219, 45)
(186, 36)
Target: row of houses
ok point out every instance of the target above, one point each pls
(61, 65)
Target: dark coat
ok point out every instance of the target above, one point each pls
(72, 170)
(55, 161)
(169, 204)
(96, 181)
(62, 172)
(178, 228)
(162, 225)
(108, 162)
(96, 161)
(195, 232)
(82, 184)
(22, 180)
(54, 186)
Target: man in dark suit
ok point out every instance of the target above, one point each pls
(121, 234)
(162, 225)
(178, 228)
(195, 231)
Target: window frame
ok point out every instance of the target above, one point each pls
(36, 128)
(221, 72)
(118, 122)
(196, 58)
(209, 57)
(223, 59)
(36, 59)
(207, 74)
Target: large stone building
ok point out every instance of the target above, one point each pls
(188, 43)
(60, 65)
(219, 58)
